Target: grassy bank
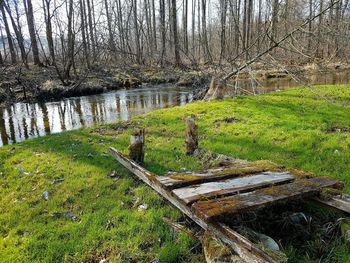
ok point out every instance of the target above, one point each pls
(89, 216)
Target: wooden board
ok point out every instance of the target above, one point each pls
(339, 202)
(193, 193)
(207, 213)
(214, 209)
(177, 180)
(241, 245)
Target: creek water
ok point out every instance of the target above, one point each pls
(22, 121)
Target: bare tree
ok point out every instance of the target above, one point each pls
(8, 33)
(137, 33)
(162, 29)
(223, 15)
(32, 33)
(205, 44)
(17, 28)
(175, 35)
(184, 22)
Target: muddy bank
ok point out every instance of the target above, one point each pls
(42, 84)
(18, 84)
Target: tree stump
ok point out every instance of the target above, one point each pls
(136, 148)
(191, 139)
(217, 90)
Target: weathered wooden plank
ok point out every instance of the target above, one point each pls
(339, 202)
(177, 180)
(242, 246)
(193, 193)
(214, 209)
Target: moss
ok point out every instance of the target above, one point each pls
(301, 174)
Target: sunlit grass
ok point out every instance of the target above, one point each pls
(90, 216)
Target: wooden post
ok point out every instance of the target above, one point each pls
(136, 148)
(191, 139)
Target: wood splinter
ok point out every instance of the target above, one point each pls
(136, 148)
(191, 139)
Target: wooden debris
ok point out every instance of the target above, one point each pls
(136, 148)
(214, 209)
(247, 190)
(193, 193)
(191, 139)
(340, 202)
(241, 245)
(215, 251)
(232, 170)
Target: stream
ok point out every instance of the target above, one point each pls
(22, 121)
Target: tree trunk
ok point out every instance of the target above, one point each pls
(137, 33)
(149, 36)
(175, 36)
(110, 31)
(274, 21)
(70, 40)
(91, 28)
(83, 32)
(223, 11)
(205, 43)
(49, 38)
(185, 18)
(31, 27)
(162, 29)
(193, 26)
(18, 33)
(9, 37)
(310, 28)
(154, 27)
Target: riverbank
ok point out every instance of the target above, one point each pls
(65, 199)
(19, 84)
(41, 84)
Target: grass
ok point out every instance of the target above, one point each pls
(90, 216)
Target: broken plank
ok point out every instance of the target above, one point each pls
(242, 246)
(193, 193)
(340, 202)
(214, 209)
(177, 180)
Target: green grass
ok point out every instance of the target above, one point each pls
(296, 128)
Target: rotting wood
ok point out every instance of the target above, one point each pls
(136, 148)
(241, 245)
(191, 139)
(193, 193)
(177, 180)
(340, 202)
(217, 89)
(214, 209)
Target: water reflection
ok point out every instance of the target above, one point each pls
(27, 120)
(249, 86)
